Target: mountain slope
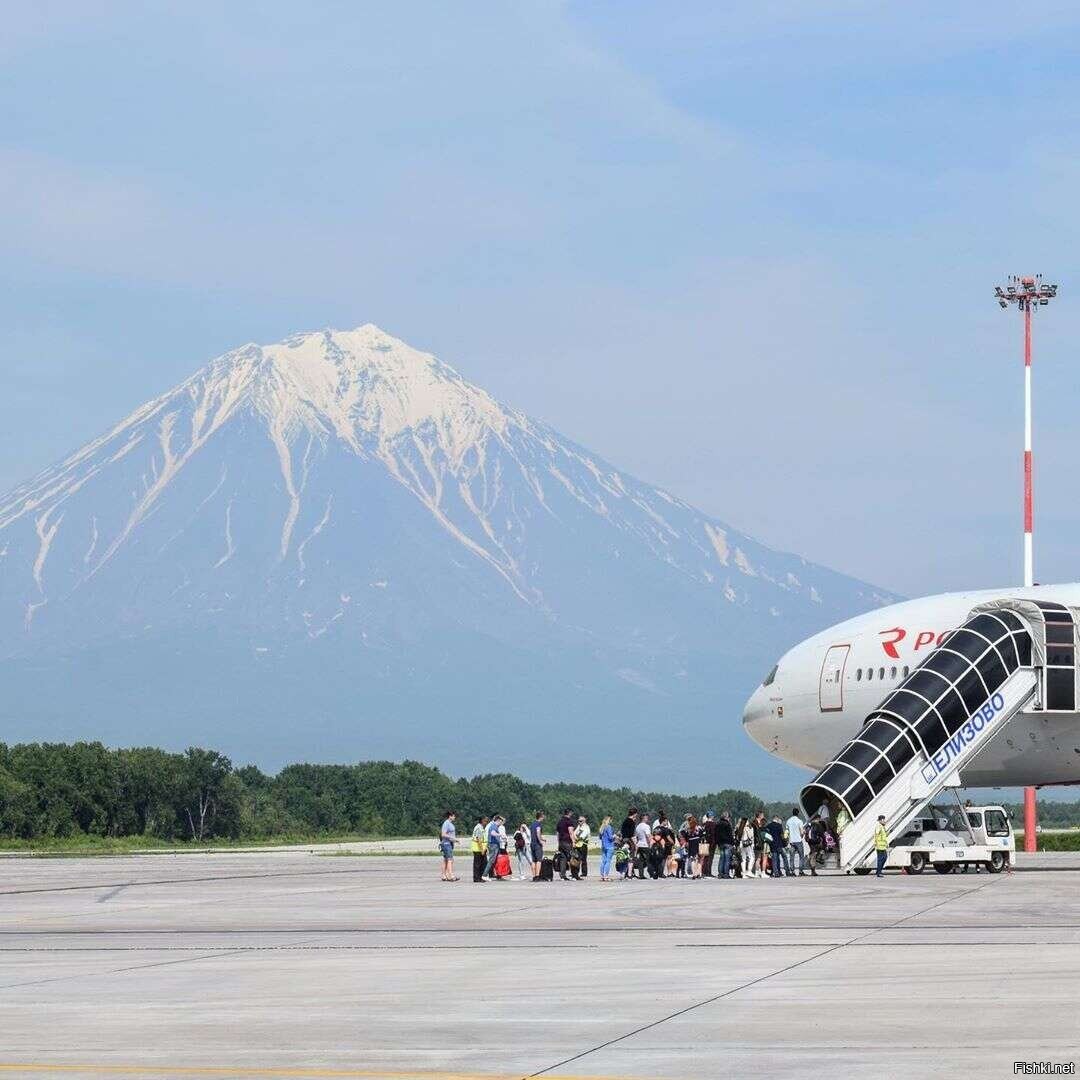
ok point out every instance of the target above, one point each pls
(336, 546)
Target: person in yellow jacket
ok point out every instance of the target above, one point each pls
(881, 844)
(479, 849)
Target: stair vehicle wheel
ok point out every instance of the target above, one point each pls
(862, 871)
(998, 861)
(944, 867)
(918, 863)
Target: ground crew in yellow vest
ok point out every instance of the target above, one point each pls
(881, 844)
(479, 848)
(581, 849)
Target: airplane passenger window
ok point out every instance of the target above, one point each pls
(892, 673)
(858, 675)
(906, 671)
(881, 673)
(869, 673)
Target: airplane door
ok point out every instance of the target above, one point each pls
(831, 689)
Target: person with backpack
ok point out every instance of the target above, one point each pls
(832, 845)
(660, 862)
(521, 851)
(744, 836)
(564, 832)
(774, 833)
(708, 843)
(680, 853)
(666, 835)
(642, 844)
(607, 848)
(479, 849)
(536, 843)
(758, 825)
(693, 847)
(785, 851)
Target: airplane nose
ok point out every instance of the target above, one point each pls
(757, 714)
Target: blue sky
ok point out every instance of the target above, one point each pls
(746, 252)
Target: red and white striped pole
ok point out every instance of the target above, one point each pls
(1031, 806)
(1029, 568)
(1026, 292)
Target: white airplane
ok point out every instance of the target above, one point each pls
(822, 691)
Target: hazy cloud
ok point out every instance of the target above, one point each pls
(748, 256)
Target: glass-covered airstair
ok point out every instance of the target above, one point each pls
(1008, 657)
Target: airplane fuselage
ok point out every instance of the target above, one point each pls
(821, 691)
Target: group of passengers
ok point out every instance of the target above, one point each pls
(646, 844)
(751, 847)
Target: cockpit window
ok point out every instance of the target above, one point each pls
(767, 681)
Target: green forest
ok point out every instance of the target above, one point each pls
(64, 792)
(55, 791)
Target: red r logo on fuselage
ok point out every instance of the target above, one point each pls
(890, 645)
(898, 633)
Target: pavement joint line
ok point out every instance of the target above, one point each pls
(941, 903)
(218, 953)
(238, 1070)
(755, 982)
(218, 932)
(191, 880)
(682, 1012)
(852, 943)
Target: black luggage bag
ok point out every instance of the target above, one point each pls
(547, 870)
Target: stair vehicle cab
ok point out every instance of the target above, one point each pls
(946, 837)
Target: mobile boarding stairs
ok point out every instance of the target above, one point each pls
(1010, 656)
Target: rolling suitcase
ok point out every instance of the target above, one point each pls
(547, 870)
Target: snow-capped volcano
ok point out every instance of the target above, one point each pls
(361, 390)
(337, 536)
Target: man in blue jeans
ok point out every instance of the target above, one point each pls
(725, 843)
(493, 846)
(795, 831)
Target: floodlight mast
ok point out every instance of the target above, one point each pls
(1027, 293)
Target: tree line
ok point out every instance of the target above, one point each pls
(59, 790)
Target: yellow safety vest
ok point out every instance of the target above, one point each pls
(478, 843)
(881, 838)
